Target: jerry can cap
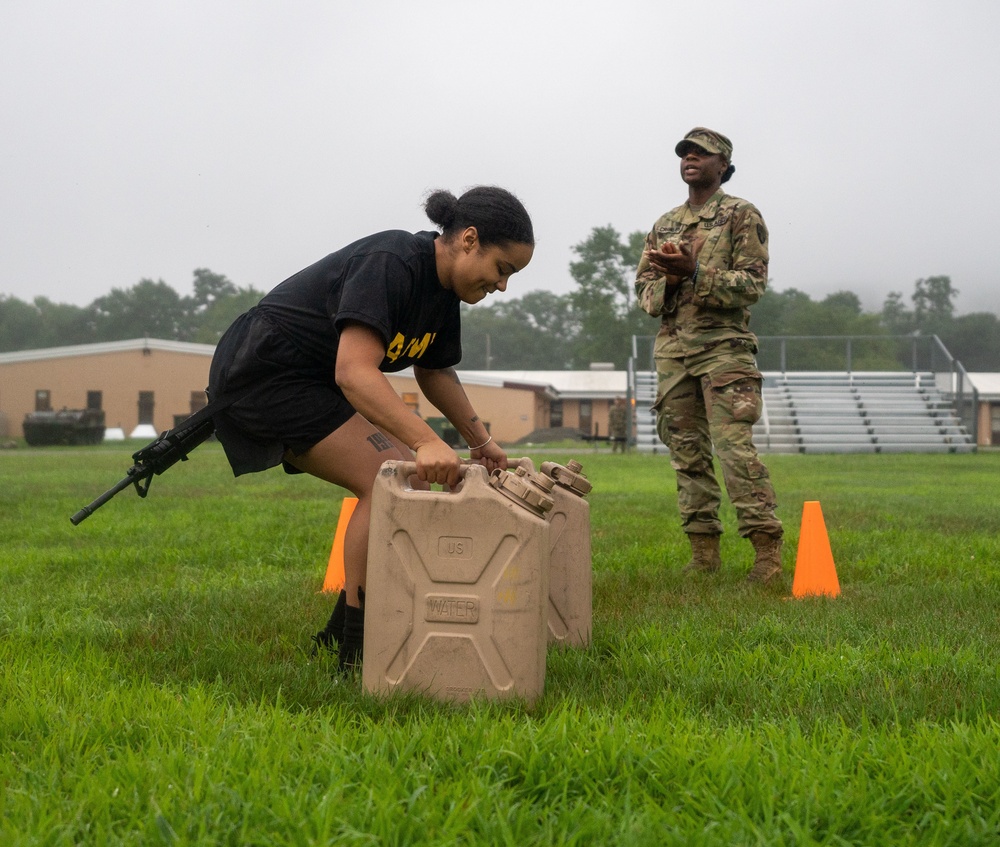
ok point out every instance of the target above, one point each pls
(541, 480)
(523, 490)
(568, 476)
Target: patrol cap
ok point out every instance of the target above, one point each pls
(709, 140)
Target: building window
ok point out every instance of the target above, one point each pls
(43, 400)
(995, 423)
(94, 400)
(556, 413)
(146, 407)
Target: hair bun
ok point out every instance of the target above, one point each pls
(441, 207)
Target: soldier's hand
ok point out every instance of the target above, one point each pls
(437, 462)
(666, 260)
(491, 455)
(673, 260)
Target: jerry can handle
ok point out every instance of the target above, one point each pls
(403, 469)
(512, 462)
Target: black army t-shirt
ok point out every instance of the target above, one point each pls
(387, 281)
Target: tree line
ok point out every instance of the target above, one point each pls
(539, 330)
(146, 310)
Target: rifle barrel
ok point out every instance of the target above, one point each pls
(87, 511)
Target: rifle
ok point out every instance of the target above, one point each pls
(171, 447)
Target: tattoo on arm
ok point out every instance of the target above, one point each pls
(380, 442)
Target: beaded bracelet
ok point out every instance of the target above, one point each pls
(697, 267)
(481, 446)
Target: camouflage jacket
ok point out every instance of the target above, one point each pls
(729, 239)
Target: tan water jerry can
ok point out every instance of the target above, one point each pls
(457, 587)
(571, 601)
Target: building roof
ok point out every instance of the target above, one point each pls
(602, 384)
(107, 347)
(558, 385)
(987, 384)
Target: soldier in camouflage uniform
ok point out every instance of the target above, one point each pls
(618, 425)
(703, 266)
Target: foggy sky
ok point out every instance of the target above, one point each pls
(144, 140)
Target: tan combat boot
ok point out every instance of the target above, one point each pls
(767, 562)
(705, 556)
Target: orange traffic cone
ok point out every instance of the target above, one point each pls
(334, 580)
(814, 569)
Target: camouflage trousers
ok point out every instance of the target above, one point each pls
(714, 398)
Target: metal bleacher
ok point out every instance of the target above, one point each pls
(835, 412)
(923, 408)
(864, 412)
(644, 395)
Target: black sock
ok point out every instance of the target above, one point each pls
(352, 647)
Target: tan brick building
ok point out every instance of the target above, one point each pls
(151, 382)
(144, 381)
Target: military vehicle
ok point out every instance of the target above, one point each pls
(69, 426)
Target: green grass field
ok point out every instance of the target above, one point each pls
(157, 684)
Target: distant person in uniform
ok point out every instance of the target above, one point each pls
(618, 425)
(703, 266)
(306, 365)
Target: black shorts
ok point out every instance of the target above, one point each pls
(285, 401)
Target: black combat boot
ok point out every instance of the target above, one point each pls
(333, 632)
